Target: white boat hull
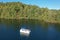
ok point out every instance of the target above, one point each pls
(25, 32)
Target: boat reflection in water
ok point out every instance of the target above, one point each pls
(24, 32)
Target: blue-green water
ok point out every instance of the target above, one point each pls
(10, 30)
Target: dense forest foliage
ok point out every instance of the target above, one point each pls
(18, 10)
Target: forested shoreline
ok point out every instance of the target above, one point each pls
(18, 10)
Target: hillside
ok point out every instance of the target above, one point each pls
(17, 10)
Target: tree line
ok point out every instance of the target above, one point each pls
(18, 10)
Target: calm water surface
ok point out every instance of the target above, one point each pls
(10, 30)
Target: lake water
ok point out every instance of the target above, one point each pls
(10, 30)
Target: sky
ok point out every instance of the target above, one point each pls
(51, 4)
